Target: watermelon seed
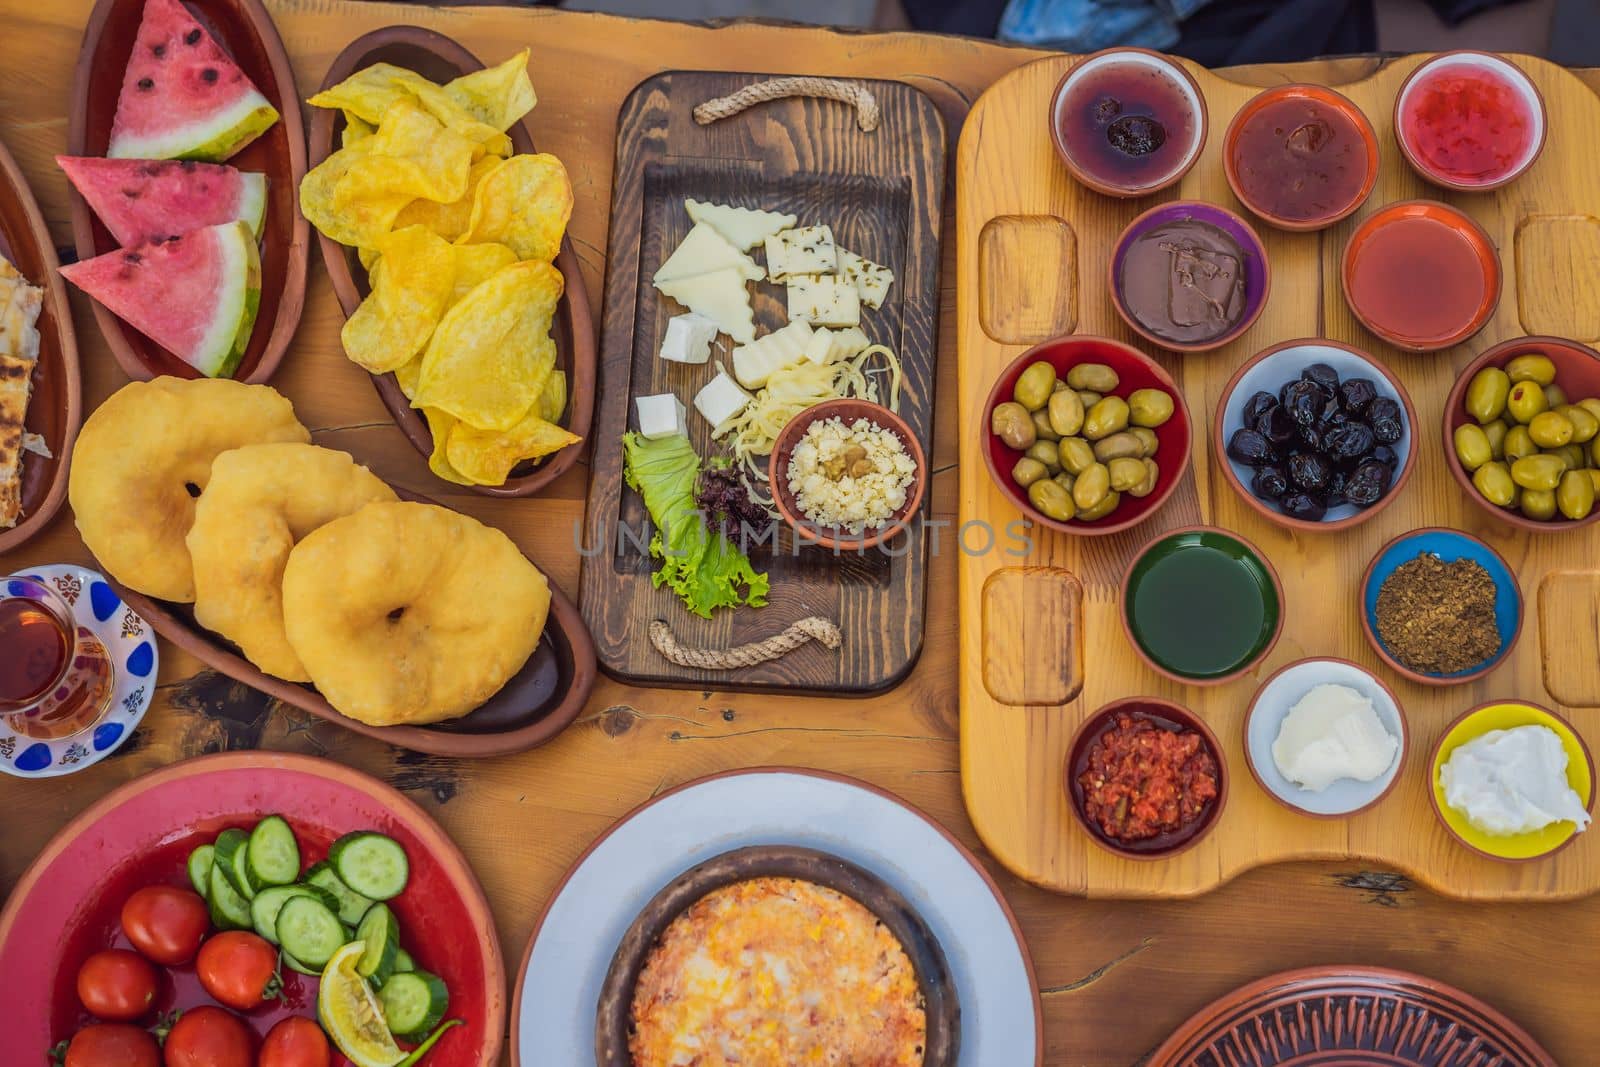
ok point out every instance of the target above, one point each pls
(209, 74)
(131, 194)
(147, 83)
(192, 37)
(159, 50)
(132, 258)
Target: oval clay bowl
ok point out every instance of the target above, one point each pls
(1257, 270)
(1520, 83)
(848, 410)
(1319, 94)
(1448, 545)
(56, 407)
(1169, 716)
(613, 1017)
(1577, 371)
(439, 58)
(1267, 372)
(1232, 544)
(538, 702)
(247, 33)
(1136, 371)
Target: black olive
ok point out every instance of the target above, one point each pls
(1357, 393)
(1306, 506)
(1250, 448)
(1349, 441)
(1311, 436)
(1305, 401)
(1323, 375)
(1258, 405)
(1332, 411)
(1388, 430)
(1276, 426)
(1368, 484)
(1269, 482)
(1387, 456)
(1309, 470)
(1335, 489)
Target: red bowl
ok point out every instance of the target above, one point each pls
(1137, 371)
(1320, 94)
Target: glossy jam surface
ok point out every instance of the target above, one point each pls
(1419, 279)
(1468, 124)
(1300, 159)
(1127, 125)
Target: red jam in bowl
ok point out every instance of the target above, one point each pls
(1416, 278)
(1468, 123)
(1127, 123)
(1300, 159)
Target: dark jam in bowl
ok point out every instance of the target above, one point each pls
(1300, 159)
(1468, 123)
(1127, 123)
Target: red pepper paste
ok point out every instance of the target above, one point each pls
(1143, 780)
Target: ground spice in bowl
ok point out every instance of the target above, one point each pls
(1438, 618)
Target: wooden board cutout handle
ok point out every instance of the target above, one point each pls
(855, 94)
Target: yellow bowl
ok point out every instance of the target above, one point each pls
(1504, 716)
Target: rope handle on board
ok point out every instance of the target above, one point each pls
(810, 628)
(855, 94)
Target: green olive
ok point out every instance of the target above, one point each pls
(1126, 473)
(1013, 425)
(1106, 418)
(1028, 470)
(1102, 509)
(1575, 495)
(1591, 404)
(1076, 454)
(1149, 443)
(1472, 446)
(1517, 444)
(1065, 480)
(1554, 395)
(1525, 401)
(1538, 472)
(1096, 376)
(1047, 453)
(1584, 424)
(1538, 504)
(1571, 455)
(1090, 398)
(1149, 407)
(1052, 501)
(1493, 480)
(1148, 486)
(1033, 389)
(1091, 487)
(1496, 433)
(1532, 368)
(1066, 413)
(1486, 394)
(1118, 444)
(1594, 476)
(1594, 452)
(1550, 429)
(1060, 385)
(1042, 427)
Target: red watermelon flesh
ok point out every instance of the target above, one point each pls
(194, 295)
(182, 96)
(144, 200)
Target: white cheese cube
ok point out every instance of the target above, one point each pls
(824, 300)
(809, 250)
(688, 339)
(848, 343)
(662, 415)
(872, 280)
(820, 348)
(720, 400)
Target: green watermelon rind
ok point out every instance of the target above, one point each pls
(214, 140)
(253, 200)
(232, 326)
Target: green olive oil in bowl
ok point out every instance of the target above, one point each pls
(1202, 605)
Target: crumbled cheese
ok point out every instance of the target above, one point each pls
(851, 477)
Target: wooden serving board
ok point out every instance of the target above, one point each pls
(882, 193)
(1042, 645)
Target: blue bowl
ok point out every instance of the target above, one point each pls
(1449, 546)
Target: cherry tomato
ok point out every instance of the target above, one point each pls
(295, 1042)
(165, 924)
(117, 985)
(112, 1045)
(240, 969)
(209, 1037)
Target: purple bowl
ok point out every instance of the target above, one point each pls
(1257, 271)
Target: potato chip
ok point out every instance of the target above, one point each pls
(499, 95)
(488, 359)
(449, 220)
(487, 457)
(442, 425)
(442, 157)
(371, 93)
(525, 205)
(355, 129)
(553, 399)
(476, 264)
(406, 376)
(411, 288)
(343, 225)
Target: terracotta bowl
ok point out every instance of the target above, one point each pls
(1267, 372)
(1577, 371)
(1147, 59)
(1319, 94)
(848, 410)
(1170, 716)
(1136, 371)
(1468, 60)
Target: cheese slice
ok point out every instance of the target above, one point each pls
(805, 251)
(720, 296)
(705, 250)
(720, 400)
(824, 299)
(847, 343)
(688, 339)
(662, 415)
(819, 349)
(742, 227)
(754, 363)
(872, 280)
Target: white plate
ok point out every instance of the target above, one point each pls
(554, 1010)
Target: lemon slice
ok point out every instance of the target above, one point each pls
(350, 1012)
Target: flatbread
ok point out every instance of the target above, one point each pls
(16, 387)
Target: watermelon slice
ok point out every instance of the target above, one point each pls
(182, 97)
(144, 200)
(194, 295)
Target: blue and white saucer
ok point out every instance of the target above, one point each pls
(131, 644)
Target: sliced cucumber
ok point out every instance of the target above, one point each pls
(352, 905)
(267, 903)
(373, 865)
(413, 1003)
(309, 931)
(380, 932)
(272, 855)
(403, 961)
(229, 910)
(229, 858)
(201, 860)
(295, 965)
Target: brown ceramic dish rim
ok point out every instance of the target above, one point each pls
(1433, 769)
(1161, 708)
(1202, 126)
(1462, 223)
(1498, 356)
(1327, 95)
(1219, 439)
(1074, 528)
(1400, 713)
(1432, 177)
(291, 303)
(828, 776)
(1437, 681)
(1249, 546)
(574, 304)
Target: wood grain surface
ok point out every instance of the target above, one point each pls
(1118, 976)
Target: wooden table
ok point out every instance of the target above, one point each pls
(1117, 977)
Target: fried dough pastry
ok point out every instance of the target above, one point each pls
(411, 613)
(144, 456)
(261, 500)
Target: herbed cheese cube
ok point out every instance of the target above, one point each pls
(661, 415)
(809, 250)
(688, 338)
(720, 400)
(824, 300)
(872, 280)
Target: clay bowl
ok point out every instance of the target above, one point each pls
(1257, 270)
(1267, 372)
(1483, 251)
(1448, 545)
(613, 1019)
(439, 58)
(57, 405)
(1466, 60)
(1150, 61)
(537, 703)
(847, 410)
(67, 903)
(1577, 371)
(1137, 371)
(246, 31)
(1316, 94)
(1168, 716)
